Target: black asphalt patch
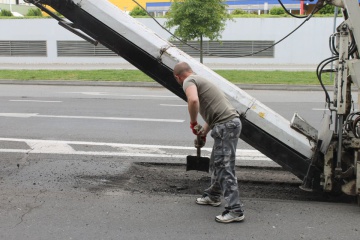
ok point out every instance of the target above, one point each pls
(159, 178)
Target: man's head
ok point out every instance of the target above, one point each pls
(181, 71)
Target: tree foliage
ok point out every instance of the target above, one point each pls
(138, 11)
(195, 19)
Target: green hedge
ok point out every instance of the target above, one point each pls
(5, 13)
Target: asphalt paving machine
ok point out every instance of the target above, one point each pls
(327, 159)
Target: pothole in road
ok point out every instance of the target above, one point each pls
(154, 178)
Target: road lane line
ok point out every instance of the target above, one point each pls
(50, 146)
(122, 154)
(14, 151)
(89, 93)
(114, 118)
(18, 115)
(154, 96)
(27, 115)
(320, 109)
(121, 95)
(128, 150)
(172, 105)
(37, 101)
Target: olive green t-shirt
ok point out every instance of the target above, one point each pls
(214, 106)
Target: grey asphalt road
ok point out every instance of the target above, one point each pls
(70, 112)
(45, 214)
(50, 197)
(44, 197)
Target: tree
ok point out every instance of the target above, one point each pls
(196, 19)
(137, 11)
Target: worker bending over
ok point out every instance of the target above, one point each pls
(222, 118)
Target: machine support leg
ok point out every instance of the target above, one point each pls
(338, 169)
(309, 181)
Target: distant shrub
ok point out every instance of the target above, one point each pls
(5, 13)
(138, 11)
(328, 9)
(34, 12)
(238, 11)
(277, 11)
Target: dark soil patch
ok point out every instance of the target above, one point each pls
(153, 178)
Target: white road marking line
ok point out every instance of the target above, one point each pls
(114, 118)
(19, 115)
(120, 149)
(172, 105)
(90, 93)
(154, 96)
(122, 154)
(50, 146)
(27, 115)
(14, 151)
(38, 101)
(121, 95)
(96, 143)
(92, 153)
(320, 109)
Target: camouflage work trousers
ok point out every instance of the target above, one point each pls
(222, 165)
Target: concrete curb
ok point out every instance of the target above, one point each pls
(279, 87)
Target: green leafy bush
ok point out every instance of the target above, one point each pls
(34, 12)
(328, 9)
(238, 11)
(277, 11)
(138, 11)
(5, 13)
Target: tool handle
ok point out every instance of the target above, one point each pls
(198, 151)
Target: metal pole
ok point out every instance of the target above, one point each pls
(334, 29)
(339, 151)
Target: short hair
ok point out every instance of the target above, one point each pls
(182, 67)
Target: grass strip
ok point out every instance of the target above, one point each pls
(234, 76)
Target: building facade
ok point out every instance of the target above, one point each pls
(251, 6)
(128, 5)
(12, 2)
(43, 41)
(160, 7)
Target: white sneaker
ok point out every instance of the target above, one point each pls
(205, 200)
(227, 217)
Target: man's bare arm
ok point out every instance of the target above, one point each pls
(193, 102)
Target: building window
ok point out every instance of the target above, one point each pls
(82, 49)
(229, 48)
(23, 48)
